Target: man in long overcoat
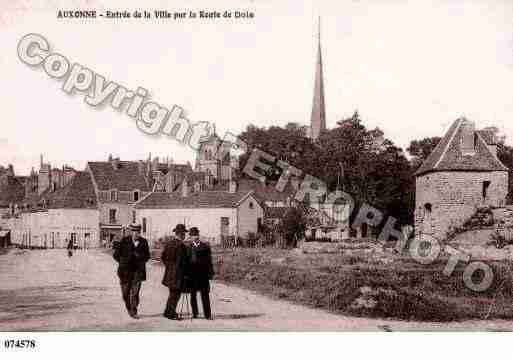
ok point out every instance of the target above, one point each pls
(174, 258)
(132, 253)
(201, 272)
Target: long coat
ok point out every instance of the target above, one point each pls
(174, 257)
(132, 260)
(200, 269)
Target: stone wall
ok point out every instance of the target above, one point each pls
(445, 199)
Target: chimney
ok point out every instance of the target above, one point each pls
(468, 135)
(185, 188)
(10, 171)
(169, 181)
(140, 168)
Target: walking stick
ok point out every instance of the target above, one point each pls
(181, 307)
(189, 304)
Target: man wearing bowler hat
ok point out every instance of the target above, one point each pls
(201, 272)
(174, 258)
(132, 253)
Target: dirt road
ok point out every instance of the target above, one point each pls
(47, 291)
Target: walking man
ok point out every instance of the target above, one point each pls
(70, 248)
(132, 253)
(174, 258)
(201, 272)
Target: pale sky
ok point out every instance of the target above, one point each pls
(409, 67)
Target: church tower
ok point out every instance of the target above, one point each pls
(318, 118)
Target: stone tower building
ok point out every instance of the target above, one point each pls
(44, 176)
(460, 175)
(214, 158)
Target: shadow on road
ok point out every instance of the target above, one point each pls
(238, 316)
(41, 301)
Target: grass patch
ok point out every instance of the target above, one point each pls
(361, 286)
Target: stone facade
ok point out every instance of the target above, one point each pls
(445, 199)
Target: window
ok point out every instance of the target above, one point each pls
(144, 225)
(136, 196)
(113, 195)
(87, 238)
(486, 184)
(428, 207)
(112, 216)
(251, 205)
(225, 225)
(74, 239)
(133, 216)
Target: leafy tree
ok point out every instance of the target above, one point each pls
(421, 149)
(363, 162)
(293, 225)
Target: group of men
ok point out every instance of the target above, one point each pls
(188, 269)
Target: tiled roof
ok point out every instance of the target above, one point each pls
(78, 193)
(125, 178)
(206, 199)
(275, 212)
(12, 191)
(180, 167)
(263, 192)
(448, 156)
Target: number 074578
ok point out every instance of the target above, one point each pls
(19, 344)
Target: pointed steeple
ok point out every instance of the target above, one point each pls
(318, 118)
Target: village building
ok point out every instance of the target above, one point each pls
(118, 185)
(462, 174)
(59, 215)
(217, 214)
(11, 191)
(214, 159)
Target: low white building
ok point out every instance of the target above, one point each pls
(70, 212)
(215, 213)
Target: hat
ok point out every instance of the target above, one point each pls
(194, 231)
(134, 227)
(180, 228)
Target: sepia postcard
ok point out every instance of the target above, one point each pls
(255, 166)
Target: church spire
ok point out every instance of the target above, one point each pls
(318, 118)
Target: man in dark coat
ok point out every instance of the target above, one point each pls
(174, 258)
(201, 272)
(132, 253)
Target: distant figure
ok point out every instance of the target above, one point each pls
(132, 253)
(174, 258)
(201, 272)
(70, 248)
